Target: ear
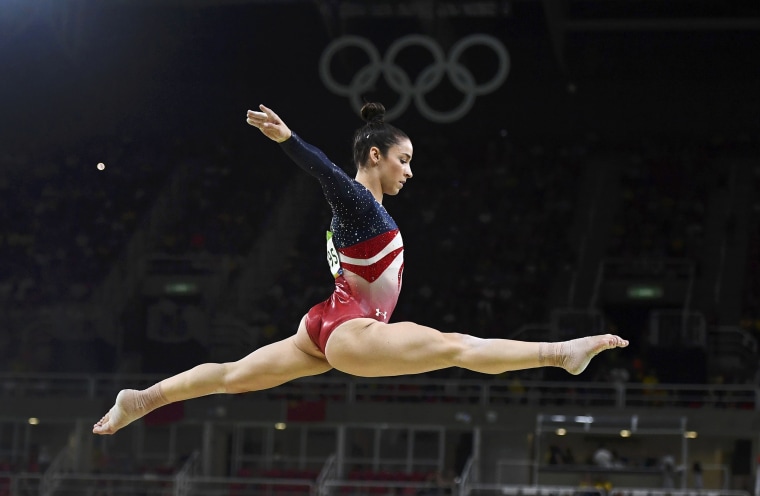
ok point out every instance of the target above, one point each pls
(374, 155)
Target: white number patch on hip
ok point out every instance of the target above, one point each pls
(333, 257)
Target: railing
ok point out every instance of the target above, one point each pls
(81, 484)
(520, 490)
(417, 390)
(60, 466)
(20, 484)
(716, 476)
(329, 471)
(637, 491)
(252, 486)
(468, 475)
(366, 487)
(183, 481)
(527, 490)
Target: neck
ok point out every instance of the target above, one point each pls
(373, 185)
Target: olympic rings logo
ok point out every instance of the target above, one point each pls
(427, 80)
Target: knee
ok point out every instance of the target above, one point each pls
(234, 378)
(455, 345)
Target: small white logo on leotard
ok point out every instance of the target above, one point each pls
(378, 313)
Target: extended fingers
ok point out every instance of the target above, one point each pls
(268, 123)
(270, 113)
(256, 119)
(252, 114)
(263, 119)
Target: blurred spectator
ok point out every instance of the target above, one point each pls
(603, 457)
(668, 467)
(696, 471)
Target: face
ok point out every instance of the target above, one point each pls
(395, 167)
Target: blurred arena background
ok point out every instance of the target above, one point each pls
(609, 178)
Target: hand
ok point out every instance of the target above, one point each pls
(269, 123)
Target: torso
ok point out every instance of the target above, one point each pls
(369, 246)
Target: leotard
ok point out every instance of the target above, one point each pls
(365, 249)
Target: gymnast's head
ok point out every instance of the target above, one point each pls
(376, 138)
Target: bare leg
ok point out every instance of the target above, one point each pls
(265, 368)
(368, 348)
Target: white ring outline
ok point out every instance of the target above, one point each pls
(397, 78)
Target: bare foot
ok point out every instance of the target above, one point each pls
(575, 355)
(122, 413)
(130, 405)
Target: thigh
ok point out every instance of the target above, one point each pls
(368, 348)
(274, 364)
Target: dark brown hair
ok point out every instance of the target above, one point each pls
(376, 132)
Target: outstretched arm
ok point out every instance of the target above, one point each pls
(338, 187)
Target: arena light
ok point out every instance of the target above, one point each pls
(584, 419)
(644, 292)
(180, 288)
(280, 426)
(560, 431)
(625, 433)
(34, 421)
(690, 434)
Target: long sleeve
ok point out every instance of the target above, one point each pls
(339, 188)
(357, 216)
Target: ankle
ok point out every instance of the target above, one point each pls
(151, 398)
(550, 354)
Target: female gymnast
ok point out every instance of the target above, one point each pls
(350, 331)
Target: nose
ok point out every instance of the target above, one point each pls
(408, 173)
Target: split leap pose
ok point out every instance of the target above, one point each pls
(350, 331)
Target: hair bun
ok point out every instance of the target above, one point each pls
(373, 112)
